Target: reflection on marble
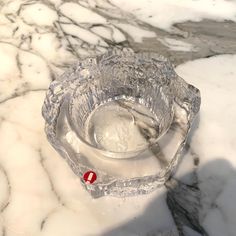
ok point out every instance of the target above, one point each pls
(39, 39)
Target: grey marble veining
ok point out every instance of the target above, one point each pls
(40, 196)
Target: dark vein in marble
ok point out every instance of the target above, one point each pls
(23, 5)
(45, 219)
(88, 27)
(184, 200)
(18, 63)
(31, 51)
(71, 47)
(84, 43)
(42, 160)
(196, 159)
(53, 189)
(19, 94)
(8, 16)
(210, 37)
(7, 201)
(4, 231)
(14, 31)
(184, 203)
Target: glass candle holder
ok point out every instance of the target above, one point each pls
(120, 120)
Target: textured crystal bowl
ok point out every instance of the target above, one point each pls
(120, 109)
(122, 117)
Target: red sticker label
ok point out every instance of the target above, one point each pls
(89, 177)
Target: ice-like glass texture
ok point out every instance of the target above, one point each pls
(123, 115)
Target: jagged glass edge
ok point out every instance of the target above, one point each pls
(186, 96)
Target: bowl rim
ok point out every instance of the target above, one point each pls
(115, 154)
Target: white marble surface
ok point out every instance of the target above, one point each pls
(39, 194)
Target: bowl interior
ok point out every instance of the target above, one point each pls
(117, 108)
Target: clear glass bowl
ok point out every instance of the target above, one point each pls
(122, 116)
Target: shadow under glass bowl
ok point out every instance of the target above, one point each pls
(124, 116)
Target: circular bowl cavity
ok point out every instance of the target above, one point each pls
(121, 114)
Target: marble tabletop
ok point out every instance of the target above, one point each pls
(39, 40)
